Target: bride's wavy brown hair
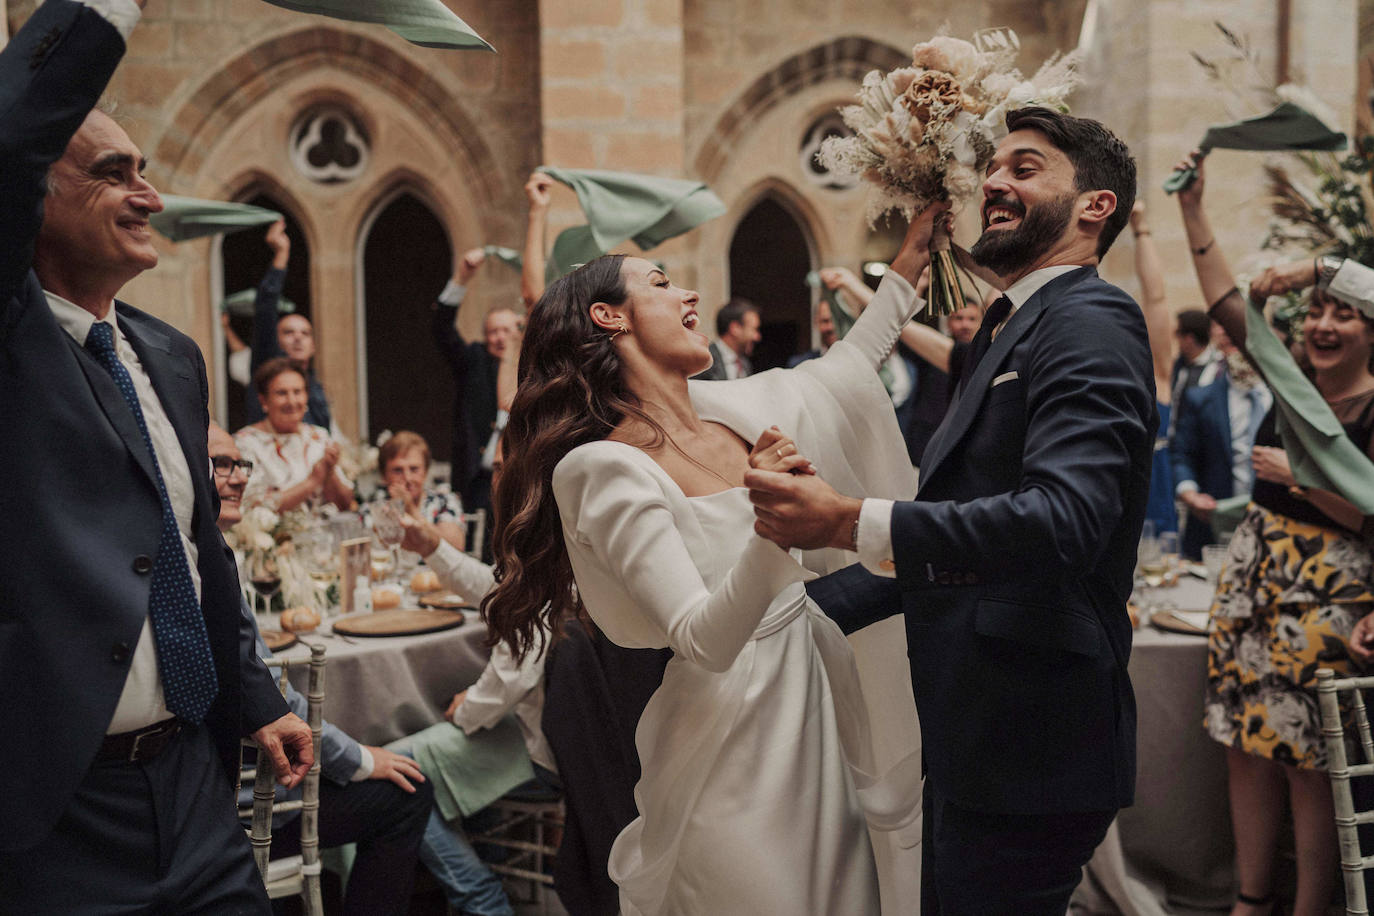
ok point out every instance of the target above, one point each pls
(570, 392)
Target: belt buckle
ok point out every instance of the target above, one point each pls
(133, 749)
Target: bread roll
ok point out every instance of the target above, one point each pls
(384, 599)
(424, 580)
(299, 619)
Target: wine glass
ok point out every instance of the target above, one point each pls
(264, 577)
(1214, 558)
(317, 550)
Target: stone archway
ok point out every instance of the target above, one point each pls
(241, 121)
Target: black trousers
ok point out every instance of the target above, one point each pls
(387, 823)
(974, 863)
(161, 837)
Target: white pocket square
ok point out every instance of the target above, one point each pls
(1004, 377)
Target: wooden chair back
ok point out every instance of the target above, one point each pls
(1348, 820)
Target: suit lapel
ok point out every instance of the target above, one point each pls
(973, 389)
(174, 382)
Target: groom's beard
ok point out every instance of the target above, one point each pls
(1007, 252)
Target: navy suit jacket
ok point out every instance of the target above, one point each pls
(1015, 560)
(474, 409)
(1201, 452)
(80, 514)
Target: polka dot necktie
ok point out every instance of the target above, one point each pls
(185, 662)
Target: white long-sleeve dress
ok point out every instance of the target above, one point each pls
(758, 765)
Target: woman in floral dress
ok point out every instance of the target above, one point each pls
(1299, 574)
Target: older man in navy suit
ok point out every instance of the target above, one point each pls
(1013, 564)
(127, 672)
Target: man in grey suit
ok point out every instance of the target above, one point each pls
(127, 671)
(737, 326)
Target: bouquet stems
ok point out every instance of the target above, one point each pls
(946, 293)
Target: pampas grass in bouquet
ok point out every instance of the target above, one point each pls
(927, 132)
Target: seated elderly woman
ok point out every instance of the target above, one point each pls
(293, 461)
(404, 461)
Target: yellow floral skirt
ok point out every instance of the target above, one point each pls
(1285, 605)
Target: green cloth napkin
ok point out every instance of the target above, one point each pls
(508, 256)
(427, 23)
(469, 773)
(1319, 451)
(1287, 127)
(646, 209)
(240, 304)
(185, 218)
(1227, 515)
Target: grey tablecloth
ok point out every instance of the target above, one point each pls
(380, 689)
(1174, 846)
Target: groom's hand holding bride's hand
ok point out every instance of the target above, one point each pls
(792, 506)
(776, 452)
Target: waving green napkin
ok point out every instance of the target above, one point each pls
(469, 773)
(1287, 127)
(185, 218)
(1319, 451)
(240, 304)
(647, 209)
(422, 22)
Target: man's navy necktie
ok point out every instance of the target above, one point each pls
(995, 315)
(189, 683)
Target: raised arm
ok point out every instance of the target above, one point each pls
(448, 308)
(51, 75)
(538, 192)
(268, 299)
(875, 333)
(1149, 270)
(633, 569)
(1214, 274)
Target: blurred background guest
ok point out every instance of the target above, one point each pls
(294, 461)
(291, 336)
(737, 327)
(404, 460)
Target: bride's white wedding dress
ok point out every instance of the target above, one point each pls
(758, 773)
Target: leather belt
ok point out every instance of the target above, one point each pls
(140, 745)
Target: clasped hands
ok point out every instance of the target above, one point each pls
(793, 507)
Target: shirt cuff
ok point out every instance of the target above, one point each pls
(452, 294)
(122, 14)
(1185, 486)
(874, 542)
(365, 767)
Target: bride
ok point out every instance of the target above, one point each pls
(758, 779)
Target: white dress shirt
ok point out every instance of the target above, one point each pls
(141, 703)
(504, 686)
(874, 540)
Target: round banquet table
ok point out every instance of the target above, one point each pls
(378, 689)
(1172, 851)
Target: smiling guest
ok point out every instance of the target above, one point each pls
(1013, 563)
(293, 461)
(404, 460)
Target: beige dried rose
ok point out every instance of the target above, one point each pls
(929, 90)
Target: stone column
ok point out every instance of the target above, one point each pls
(612, 93)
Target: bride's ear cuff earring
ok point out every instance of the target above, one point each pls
(620, 330)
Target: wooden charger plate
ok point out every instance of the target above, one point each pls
(445, 601)
(1172, 623)
(398, 623)
(277, 640)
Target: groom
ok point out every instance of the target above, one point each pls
(1013, 563)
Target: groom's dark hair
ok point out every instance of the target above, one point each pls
(1101, 162)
